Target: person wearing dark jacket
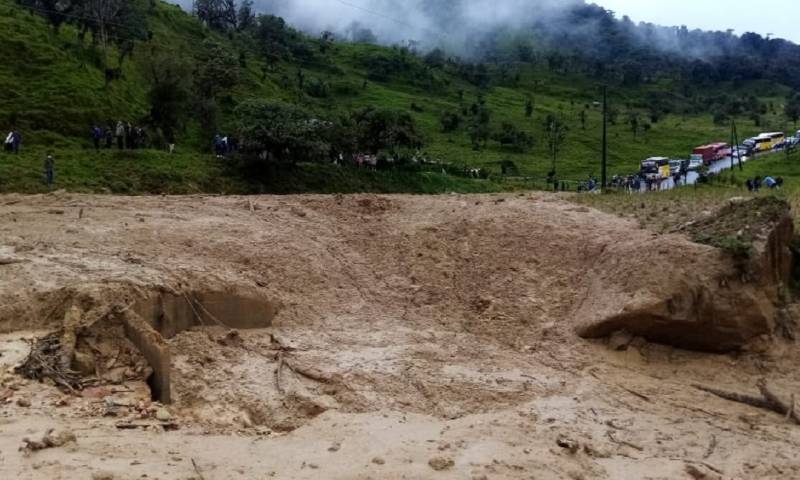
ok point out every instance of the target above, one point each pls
(109, 135)
(49, 169)
(97, 136)
(16, 141)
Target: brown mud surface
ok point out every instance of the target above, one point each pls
(376, 337)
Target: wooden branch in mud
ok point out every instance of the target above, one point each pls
(778, 405)
(197, 470)
(756, 402)
(768, 400)
(11, 261)
(278, 370)
(614, 439)
(310, 373)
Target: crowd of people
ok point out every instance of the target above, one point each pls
(124, 135)
(224, 144)
(757, 183)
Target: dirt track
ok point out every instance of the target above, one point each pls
(409, 329)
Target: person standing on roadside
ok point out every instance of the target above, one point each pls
(120, 134)
(16, 141)
(109, 136)
(49, 169)
(97, 136)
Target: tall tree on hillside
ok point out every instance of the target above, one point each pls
(216, 72)
(246, 16)
(529, 107)
(792, 109)
(170, 90)
(100, 14)
(216, 14)
(633, 121)
(57, 12)
(555, 133)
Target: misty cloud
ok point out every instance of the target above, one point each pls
(446, 23)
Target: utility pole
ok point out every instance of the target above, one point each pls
(735, 146)
(604, 169)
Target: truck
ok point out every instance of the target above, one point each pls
(711, 153)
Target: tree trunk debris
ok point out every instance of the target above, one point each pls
(767, 401)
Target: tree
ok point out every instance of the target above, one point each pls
(509, 136)
(480, 125)
(216, 72)
(101, 14)
(170, 90)
(555, 133)
(633, 121)
(56, 12)
(435, 58)
(450, 121)
(246, 17)
(130, 26)
(274, 131)
(792, 109)
(381, 129)
(529, 107)
(216, 14)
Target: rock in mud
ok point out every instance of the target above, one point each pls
(441, 463)
(620, 340)
(51, 439)
(162, 415)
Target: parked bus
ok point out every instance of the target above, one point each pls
(762, 143)
(778, 139)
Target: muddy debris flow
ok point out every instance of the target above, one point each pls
(391, 336)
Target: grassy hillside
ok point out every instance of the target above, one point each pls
(54, 90)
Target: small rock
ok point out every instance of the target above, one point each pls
(24, 402)
(162, 415)
(84, 363)
(568, 444)
(378, 461)
(335, 447)
(699, 473)
(102, 476)
(620, 341)
(441, 463)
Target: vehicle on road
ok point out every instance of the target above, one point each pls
(695, 163)
(712, 152)
(777, 139)
(676, 167)
(656, 167)
(763, 143)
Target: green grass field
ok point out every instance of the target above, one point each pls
(54, 90)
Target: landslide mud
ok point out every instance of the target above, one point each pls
(356, 336)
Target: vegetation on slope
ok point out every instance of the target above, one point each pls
(188, 77)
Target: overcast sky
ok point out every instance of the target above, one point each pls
(779, 17)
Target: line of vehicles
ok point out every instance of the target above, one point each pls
(659, 168)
